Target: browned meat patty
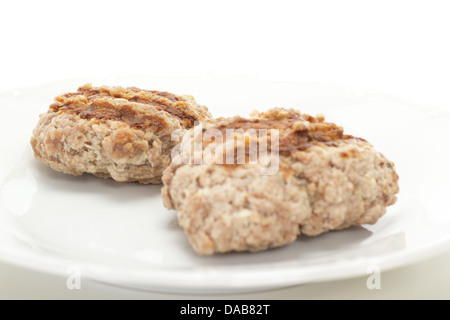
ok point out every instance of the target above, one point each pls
(326, 180)
(114, 132)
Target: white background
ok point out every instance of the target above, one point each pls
(397, 47)
(400, 47)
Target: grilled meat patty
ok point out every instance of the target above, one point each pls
(114, 132)
(325, 180)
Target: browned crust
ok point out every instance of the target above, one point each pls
(119, 104)
(297, 131)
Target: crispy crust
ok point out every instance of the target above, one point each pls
(125, 104)
(297, 131)
(113, 132)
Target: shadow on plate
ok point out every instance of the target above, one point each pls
(87, 183)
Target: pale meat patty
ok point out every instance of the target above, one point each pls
(326, 181)
(114, 132)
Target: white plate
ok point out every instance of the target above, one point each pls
(121, 233)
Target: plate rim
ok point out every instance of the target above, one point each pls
(244, 280)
